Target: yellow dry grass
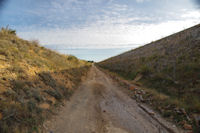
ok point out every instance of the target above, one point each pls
(1, 116)
(44, 106)
(32, 80)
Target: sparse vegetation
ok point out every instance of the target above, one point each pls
(170, 66)
(33, 81)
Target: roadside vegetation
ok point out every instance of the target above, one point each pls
(169, 69)
(33, 81)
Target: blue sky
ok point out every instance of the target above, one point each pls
(98, 23)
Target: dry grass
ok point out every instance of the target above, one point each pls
(33, 81)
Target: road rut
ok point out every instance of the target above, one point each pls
(99, 106)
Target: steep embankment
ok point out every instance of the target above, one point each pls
(33, 80)
(170, 66)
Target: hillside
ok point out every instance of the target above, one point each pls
(170, 66)
(33, 81)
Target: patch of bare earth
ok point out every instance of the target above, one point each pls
(99, 106)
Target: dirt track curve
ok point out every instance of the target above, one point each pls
(99, 106)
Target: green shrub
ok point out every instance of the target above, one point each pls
(18, 85)
(71, 57)
(144, 70)
(55, 93)
(48, 79)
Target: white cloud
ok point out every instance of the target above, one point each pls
(141, 1)
(191, 14)
(109, 35)
(115, 26)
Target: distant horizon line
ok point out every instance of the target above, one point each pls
(63, 47)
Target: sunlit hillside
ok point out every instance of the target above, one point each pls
(33, 81)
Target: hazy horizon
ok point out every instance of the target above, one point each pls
(98, 23)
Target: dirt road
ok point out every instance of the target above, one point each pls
(99, 106)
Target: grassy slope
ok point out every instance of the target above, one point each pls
(33, 80)
(170, 66)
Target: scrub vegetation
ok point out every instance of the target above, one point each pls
(33, 81)
(169, 69)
